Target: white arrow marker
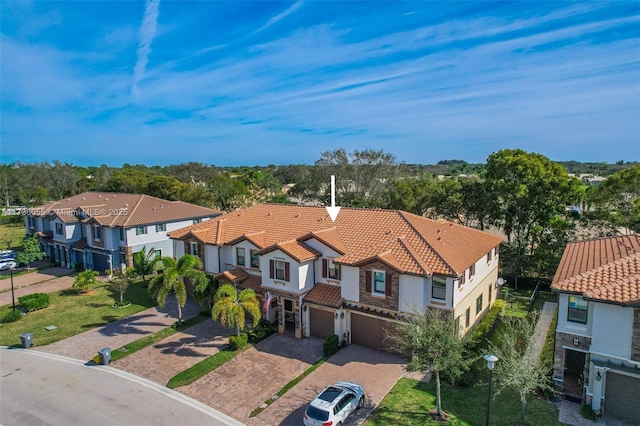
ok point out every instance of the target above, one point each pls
(333, 210)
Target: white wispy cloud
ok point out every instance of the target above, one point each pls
(297, 5)
(145, 35)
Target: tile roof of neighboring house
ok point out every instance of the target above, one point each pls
(80, 244)
(604, 269)
(325, 295)
(120, 209)
(407, 242)
(298, 250)
(241, 278)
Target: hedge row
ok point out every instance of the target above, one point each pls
(35, 301)
(484, 327)
(331, 345)
(238, 342)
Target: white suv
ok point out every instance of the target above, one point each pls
(334, 404)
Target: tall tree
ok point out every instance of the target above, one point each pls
(435, 346)
(231, 308)
(30, 251)
(165, 187)
(127, 179)
(519, 369)
(531, 192)
(228, 193)
(172, 280)
(619, 195)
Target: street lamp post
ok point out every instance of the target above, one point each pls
(13, 300)
(491, 362)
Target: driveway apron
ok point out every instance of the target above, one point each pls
(376, 371)
(244, 383)
(85, 345)
(168, 357)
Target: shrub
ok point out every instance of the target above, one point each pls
(35, 301)
(331, 345)
(546, 356)
(587, 412)
(260, 331)
(486, 324)
(238, 342)
(12, 316)
(84, 280)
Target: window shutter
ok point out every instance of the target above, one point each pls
(325, 266)
(339, 272)
(387, 290)
(368, 278)
(272, 268)
(286, 271)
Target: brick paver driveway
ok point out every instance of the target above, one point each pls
(163, 360)
(85, 345)
(376, 371)
(244, 383)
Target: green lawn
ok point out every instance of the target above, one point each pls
(409, 402)
(202, 368)
(73, 314)
(11, 235)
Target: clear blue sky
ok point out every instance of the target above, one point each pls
(255, 83)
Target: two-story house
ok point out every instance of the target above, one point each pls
(597, 348)
(100, 231)
(350, 277)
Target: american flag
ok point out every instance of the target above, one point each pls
(267, 302)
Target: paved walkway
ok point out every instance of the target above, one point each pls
(376, 371)
(163, 360)
(32, 277)
(570, 414)
(85, 345)
(45, 389)
(542, 327)
(50, 286)
(244, 383)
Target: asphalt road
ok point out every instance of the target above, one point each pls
(44, 389)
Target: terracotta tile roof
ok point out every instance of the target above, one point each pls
(604, 269)
(325, 295)
(414, 244)
(583, 256)
(120, 209)
(241, 279)
(298, 250)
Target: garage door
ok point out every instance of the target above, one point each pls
(622, 395)
(370, 332)
(321, 323)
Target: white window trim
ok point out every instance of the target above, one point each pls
(93, 231)
(244, 256)
(440, 281)
(275, 270)
(251, 259)
(373, 283)
(333, 268)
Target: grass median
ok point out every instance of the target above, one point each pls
(202, 368)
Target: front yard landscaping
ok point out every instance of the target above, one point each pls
(72, 314)
(409, 402)
(203, 368)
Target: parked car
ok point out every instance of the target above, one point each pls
(334, 404)
(7, 263)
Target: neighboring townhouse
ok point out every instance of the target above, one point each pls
(350, 277)
(597, 349)
(100, 231)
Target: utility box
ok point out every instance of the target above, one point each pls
(105, 356)
(27, 340)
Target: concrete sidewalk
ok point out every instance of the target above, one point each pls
(50, 286)
(85, 345)
(31, 278)
(542, 327)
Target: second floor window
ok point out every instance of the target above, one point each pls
(439, 289)
(489, 256)
(279, 270)
(96, 233)
(462, 279)
(141, 230)
(379, 282)
(467, 319)
(578, 309)
(472, 271)
(478, 305)
(59, 229)
(161, 227)
(330, 270)
(194, 248)
(196, 221)
(122, 234)
(255, 259)
(240, 260)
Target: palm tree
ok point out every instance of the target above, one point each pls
(230, 307)
(171, 280)
(205, 293)
(145, 262)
